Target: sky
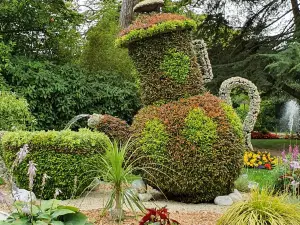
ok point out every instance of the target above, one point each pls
(234, 13)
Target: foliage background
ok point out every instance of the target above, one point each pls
(57, 93)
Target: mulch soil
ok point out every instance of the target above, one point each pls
(188, 218)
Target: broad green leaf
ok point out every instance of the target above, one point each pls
(75, 219)
(35, 210)
(61, 212)
(44, 216)
(49, 204)
(57, 223)
(39, 222)
(22, 221)
(68, 207)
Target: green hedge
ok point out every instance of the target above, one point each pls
(62, 155)
(14, 112)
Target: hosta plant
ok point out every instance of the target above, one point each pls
(44, 213)
(157, 217)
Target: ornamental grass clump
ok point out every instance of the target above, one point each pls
(264, 208)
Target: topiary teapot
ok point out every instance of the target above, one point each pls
(199, 134)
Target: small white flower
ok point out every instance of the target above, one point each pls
(21, 155)
(57, 192)
(294, 183)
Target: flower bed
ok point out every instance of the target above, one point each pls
(261, 135)
(259, 160)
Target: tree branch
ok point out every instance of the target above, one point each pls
(285, 87)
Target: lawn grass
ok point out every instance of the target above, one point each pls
(274, 144)
(265, 178)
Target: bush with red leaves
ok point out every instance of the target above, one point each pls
(146, 21)
(157, 217)
(260, 135)
(114, 127)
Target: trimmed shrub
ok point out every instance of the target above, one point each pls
(156, 84)
(114, 127)
(64, 156)
(176, 65)
(242, 183)
(150, 25)
(160, 46)
(201, 139)
(14, 112)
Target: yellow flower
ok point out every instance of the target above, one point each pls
(265, 159)
(259, 163)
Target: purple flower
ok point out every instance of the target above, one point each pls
(295, 165)
(283, 155)
(295, 152)
(294, 183)
(31, 173)
(290, 149)
(21, 155)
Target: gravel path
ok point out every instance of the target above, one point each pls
(186, 214)
(97, 200)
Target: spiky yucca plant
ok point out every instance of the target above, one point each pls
(263, 208)
(116, 168)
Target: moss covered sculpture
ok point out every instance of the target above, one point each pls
(160, 46)
(196, 139)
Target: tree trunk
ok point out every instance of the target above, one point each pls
(126, 15)
(296, 14)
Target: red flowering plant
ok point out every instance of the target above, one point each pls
(261, 135)
(157, 217)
